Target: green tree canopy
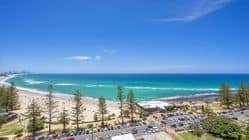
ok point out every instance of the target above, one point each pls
(131, 104)
(8, 97)
(241, 94)
(102, 108)
(226, 95)
(121, 99)
(78, 109)
(51, 107)
(222, 126)
(33, 114)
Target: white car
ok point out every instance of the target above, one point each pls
(155, 127)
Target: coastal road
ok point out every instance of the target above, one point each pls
(117, 132)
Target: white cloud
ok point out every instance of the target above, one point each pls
(78, 58)
(83, 58)
(202, 8)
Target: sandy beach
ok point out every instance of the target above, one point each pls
(90, 105)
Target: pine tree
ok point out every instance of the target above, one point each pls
(13, 96)
(51, 107)
(121, 98)
(9, 98)
(102, 108)
(241, 95)
(2, 94)
(63, 119)
(33, 114)
(225, 95)
(131, 104)
(247, 95)
(78, 109)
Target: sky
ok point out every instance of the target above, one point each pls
(124, 36)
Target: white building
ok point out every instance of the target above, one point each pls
(124, 137)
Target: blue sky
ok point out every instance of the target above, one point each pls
(124, 36)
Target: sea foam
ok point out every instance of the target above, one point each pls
(33, 82)
(181, 89)
(65, 84)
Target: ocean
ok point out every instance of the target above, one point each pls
(145, 86)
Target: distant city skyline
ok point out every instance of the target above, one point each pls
(195, 36)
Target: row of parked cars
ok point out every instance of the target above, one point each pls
(181, 121)
(151, 129)
(123, 129)
(238, 114)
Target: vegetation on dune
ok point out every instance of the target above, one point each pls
(8, 98)
(33, 114)
(78, 110)
(35, 126)
(222, 126)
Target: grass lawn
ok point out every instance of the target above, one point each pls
(190, 136)
(10, 128)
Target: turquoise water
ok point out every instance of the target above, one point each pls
(145, 86)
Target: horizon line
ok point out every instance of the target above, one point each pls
(132, 73)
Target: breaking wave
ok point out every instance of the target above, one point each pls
(65, 84)
(177, 89)
(33, 82)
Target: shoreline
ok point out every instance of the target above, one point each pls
(42, 93)
(163, 100)
(166, 98)
(25, 95)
